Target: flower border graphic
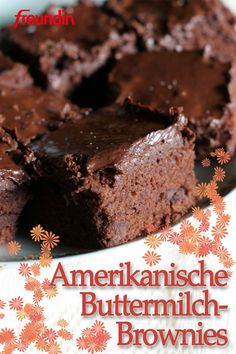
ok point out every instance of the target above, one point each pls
(94, 339)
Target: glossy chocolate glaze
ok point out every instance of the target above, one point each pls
(29, 112)
(10, 173)
(106, 136)
(170, 79)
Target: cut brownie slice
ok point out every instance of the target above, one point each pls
(181, 24)
(13, 189)
(205, 88)
(62, 55)
(27, 113)
(118, 172)
(12, 74)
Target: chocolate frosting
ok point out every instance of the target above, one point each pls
(105, 137)
(10, 173)
(29, 112)
(165, 79)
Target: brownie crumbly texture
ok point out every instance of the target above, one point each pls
(118, 171)
(181, 24)
(60, 56)
(28, 113)
(12, 74)
(13, 189)
(205, 88)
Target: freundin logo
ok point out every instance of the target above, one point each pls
(23, 17)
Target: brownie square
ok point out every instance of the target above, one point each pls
(205, 88)
(60, 56)
(181, 24)
(13, 188)
(27, 113)
(12, 74)
(116, 171)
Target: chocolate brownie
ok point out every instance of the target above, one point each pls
(27, 113)
(60, 56)
(12, 74)
(205, 88)
(181, 24)
(13, 188)
(117, 171)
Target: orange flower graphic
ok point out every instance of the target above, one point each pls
(63, 333)
(153, 241)
(50, 240)
(98, 327)
(152, 258)
(198, 213)
(201, 190)
(219, 175)
(204, 248)
(223, 219)
(204, 226)
(227, 262)
(45, 260)
(219, 232)
(31, 284)
(50, 335)
(223, 253)
(38, 295)
(16, 303)
(51, 292)
(35, 268)
(13, 247)
(7, 336)
(21, 346)
(175, 238)
(24, 270)
(165, 233)
(21, 314)
(62, 322)
(94, 339)
(37, 233)
(54, 348)
(206, 162)
(222, 156)
(29, 333)
(41, 344)
(186, 247)
(186, 228)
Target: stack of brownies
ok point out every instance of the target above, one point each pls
(100, 122)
